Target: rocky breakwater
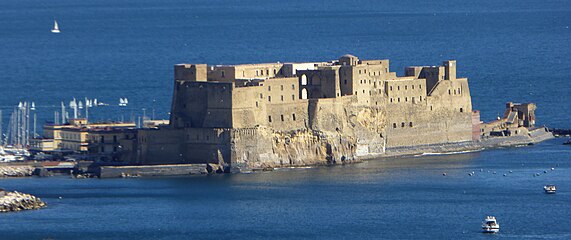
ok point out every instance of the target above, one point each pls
(16, 201)
(16, 171)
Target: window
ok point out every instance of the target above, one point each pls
(282, 87)
(398, 88)
(269, 88)
(410, 124)
(461, 110)
(275, 72)
(405, 87)
(256, 103)
(345, 81)
(412, 86)
(293, 97)
(257, 73)
(269, 98)
(391, 87)
(222, 73)
(449, 92)
(402, 124)
(391, 99)
(282, 117)
(269, 118)
(419, 86)
(412, 99)
(293, 87)
(406, 99)
(398, 99)
(282, 96)
(262, 72)
(261, 96)
(421, 98)
(394, 125)
(293, 116)
(267, 72)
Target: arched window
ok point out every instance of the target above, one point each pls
(304, 93)
(303, 80)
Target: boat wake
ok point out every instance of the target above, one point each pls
(448, 153)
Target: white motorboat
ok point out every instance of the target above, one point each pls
(490, 225)
(550, 189)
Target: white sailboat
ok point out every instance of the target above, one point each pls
(56, 27)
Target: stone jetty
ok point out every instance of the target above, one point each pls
(16, 171)
(17, 201)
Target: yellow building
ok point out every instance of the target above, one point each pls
(72, 136)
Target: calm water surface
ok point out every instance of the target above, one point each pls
(510, 50)
(399, 198)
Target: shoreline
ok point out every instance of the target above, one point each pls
(128, 171)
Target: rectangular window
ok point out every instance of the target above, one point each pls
(293, 116)
(282, 117)
(269, 118)
(292, 97)
(269, 98)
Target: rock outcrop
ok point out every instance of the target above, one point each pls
(16, 201)
(16, 171)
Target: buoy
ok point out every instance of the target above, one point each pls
(511, 171)
(544, 171)
(552, 169)
(505, 174)
(60, 197)
(443, 174)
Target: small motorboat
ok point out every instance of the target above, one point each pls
(550, 189)
(490, 225)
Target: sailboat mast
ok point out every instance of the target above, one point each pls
(1, 127)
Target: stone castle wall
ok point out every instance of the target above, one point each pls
(329, 113)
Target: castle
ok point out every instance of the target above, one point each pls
(287, 114)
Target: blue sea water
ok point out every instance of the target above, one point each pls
(511, 50)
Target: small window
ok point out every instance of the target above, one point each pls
(256, 103)
(419, 86)
(410, 124)
(405, 87)
(261, 96)
(345, 81)
(394, 125)
(292, 97)
(398, 88)
(267, 72)
(282, 117)
(257, 74)
(293, 87)
(398, 99)
(269, 98)
(402, 124)
(406, 99)
(282, 87)
(222, 73)
(391, 99)
(293, 116)
(275, 72)
(269, 118)
(262, 72)
(282, 97)
(461, 110)
(269, 88)
(449, 92)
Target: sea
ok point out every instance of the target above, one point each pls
(510, 50)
